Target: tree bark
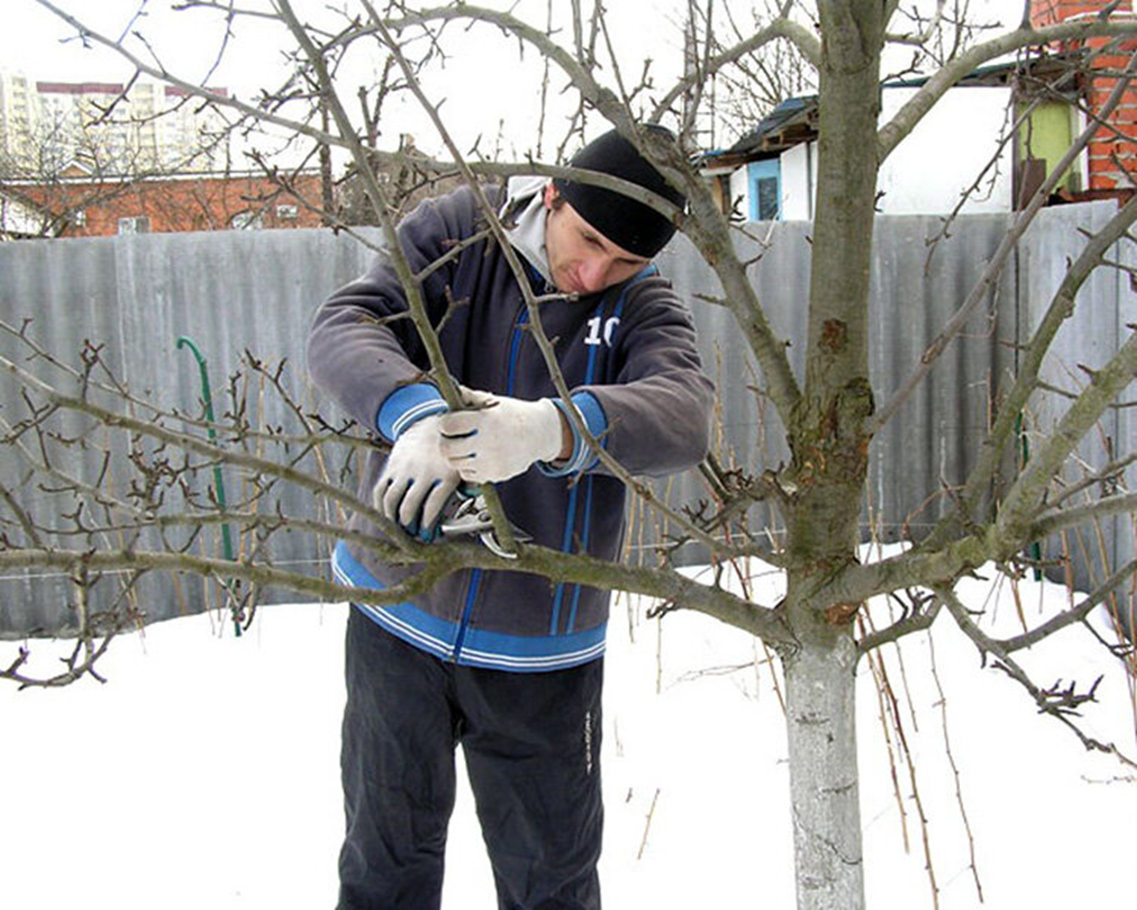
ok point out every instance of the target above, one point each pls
(829, 441)
(824, 795)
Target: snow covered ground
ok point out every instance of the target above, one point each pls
(204, 774)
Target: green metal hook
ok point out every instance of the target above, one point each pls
(184, 341)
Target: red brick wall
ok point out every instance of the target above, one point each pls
(1113, 151)
(1048, 12)
(183, 204)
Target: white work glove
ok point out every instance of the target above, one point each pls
(499, 437)
(417, 480)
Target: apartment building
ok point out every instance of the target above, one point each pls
(112, 128)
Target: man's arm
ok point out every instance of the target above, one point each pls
(363, 349)
(655, 417)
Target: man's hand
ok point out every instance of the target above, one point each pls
(418, 480)
(501, 437)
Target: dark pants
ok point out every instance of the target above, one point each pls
(532, 746)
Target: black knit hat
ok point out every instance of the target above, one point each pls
(627, 223)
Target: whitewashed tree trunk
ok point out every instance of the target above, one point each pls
(821, 728)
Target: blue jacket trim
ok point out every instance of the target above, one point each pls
(467, 612)
(582, 458)
(584, 548)
(515, 348)
(407, 404)
(479, 648)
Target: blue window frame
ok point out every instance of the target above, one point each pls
(764, 179)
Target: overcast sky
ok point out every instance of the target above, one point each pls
(484, 82)
(489, 90)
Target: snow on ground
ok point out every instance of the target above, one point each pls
(204, 774)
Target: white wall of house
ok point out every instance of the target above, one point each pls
(945, 153)
(799, 179)
(926, 174)
(739, 190)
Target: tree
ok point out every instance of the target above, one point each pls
(829, 414)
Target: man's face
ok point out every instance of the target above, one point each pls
(581, 259)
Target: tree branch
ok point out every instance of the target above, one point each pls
(1062, 706)
(1019, 508)
(781, 27)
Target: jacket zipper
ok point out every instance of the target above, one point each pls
(570, 518)
(570, 524)
(476, 575)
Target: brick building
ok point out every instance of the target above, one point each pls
(80, 205)
(1111, 153)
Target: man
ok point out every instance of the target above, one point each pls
(505, 663)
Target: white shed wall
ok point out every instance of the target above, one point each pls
(739, 190)
(799, 182)
(945, 153)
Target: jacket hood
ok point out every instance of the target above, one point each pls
(523, 214)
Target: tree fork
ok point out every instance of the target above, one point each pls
(827, 438)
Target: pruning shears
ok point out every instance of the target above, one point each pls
(472, 517)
